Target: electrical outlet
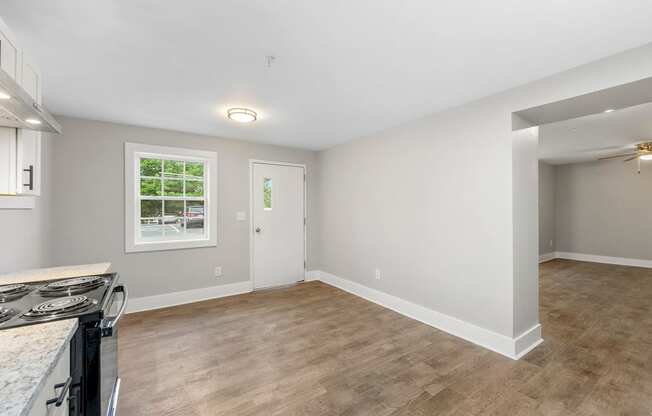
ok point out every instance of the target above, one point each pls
(240, 216)
(218, 271)
(378, 274)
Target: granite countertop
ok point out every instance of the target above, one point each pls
(37, 275)
(29, 354)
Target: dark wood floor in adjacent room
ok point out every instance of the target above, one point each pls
(315, 350)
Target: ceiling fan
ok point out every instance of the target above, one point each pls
(643, 151)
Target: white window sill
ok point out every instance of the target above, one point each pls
(169, 245)
(17, 202)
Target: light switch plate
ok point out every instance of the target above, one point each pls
(240, 216)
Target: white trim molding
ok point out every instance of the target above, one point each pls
(311, 275)
(166, 300)
(16, 202)
(547, 257)
(513, 348)
(527, 341)
(593, 258)
(133, 153)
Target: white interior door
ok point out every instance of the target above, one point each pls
(278, 224)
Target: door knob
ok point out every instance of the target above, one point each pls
(258, 229)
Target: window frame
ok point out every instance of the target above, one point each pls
(134, 152)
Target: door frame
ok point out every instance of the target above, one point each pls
(253, 162)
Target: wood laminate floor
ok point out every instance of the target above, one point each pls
(315, 350)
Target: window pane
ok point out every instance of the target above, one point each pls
(195, 169)
(150, 167)
(194, 219)
(150, 217)
(173, 187)
(173, 168)
(173, 211)
(267, 193)
(194, 188)
(150, 209)
(150, 187)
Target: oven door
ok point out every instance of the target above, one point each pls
(109, 380)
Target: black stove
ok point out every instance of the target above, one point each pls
(80, 297)
(94, 385)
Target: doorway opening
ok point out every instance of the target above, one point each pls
(592, 212)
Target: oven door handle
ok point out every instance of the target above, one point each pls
(113, 401)
(107, 324)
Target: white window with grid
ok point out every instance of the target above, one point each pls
(170, 197)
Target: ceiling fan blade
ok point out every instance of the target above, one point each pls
(625, 148)
(614, 157)
(631, 158)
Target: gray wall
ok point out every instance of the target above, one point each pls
(430, 202)
(24, 241)
(605, 208)
(439, 205)
(525, 260)
(88, 206)
(547, 221)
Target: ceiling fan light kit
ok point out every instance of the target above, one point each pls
(643, 152)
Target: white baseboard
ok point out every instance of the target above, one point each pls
(547, 257)
(527, 341)
(165, 300)
(311, 275)
(513, 348)
(604, 259)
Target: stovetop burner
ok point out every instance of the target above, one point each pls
(7, 289)
(54, 308)
(13, 291)
(71, 286)
(6, 314)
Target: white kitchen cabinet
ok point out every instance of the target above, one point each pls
(7, 160)
(52, 389)
(9, 54)
(28, 162)
(20, 149)
(30, 77)
(28, 145)
(20, 159)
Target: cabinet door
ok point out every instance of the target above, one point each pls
(30, 78)
(8, 53)
(7, 160)
(28, 162)
(51, 389)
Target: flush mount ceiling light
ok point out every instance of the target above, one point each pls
(242, 115)
(610, 110)
(646, 157)
(4, 95)
(32, 121)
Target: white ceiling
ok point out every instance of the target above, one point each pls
(344, 68)
(589, 138)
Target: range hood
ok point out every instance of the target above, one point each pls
(20, 107)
